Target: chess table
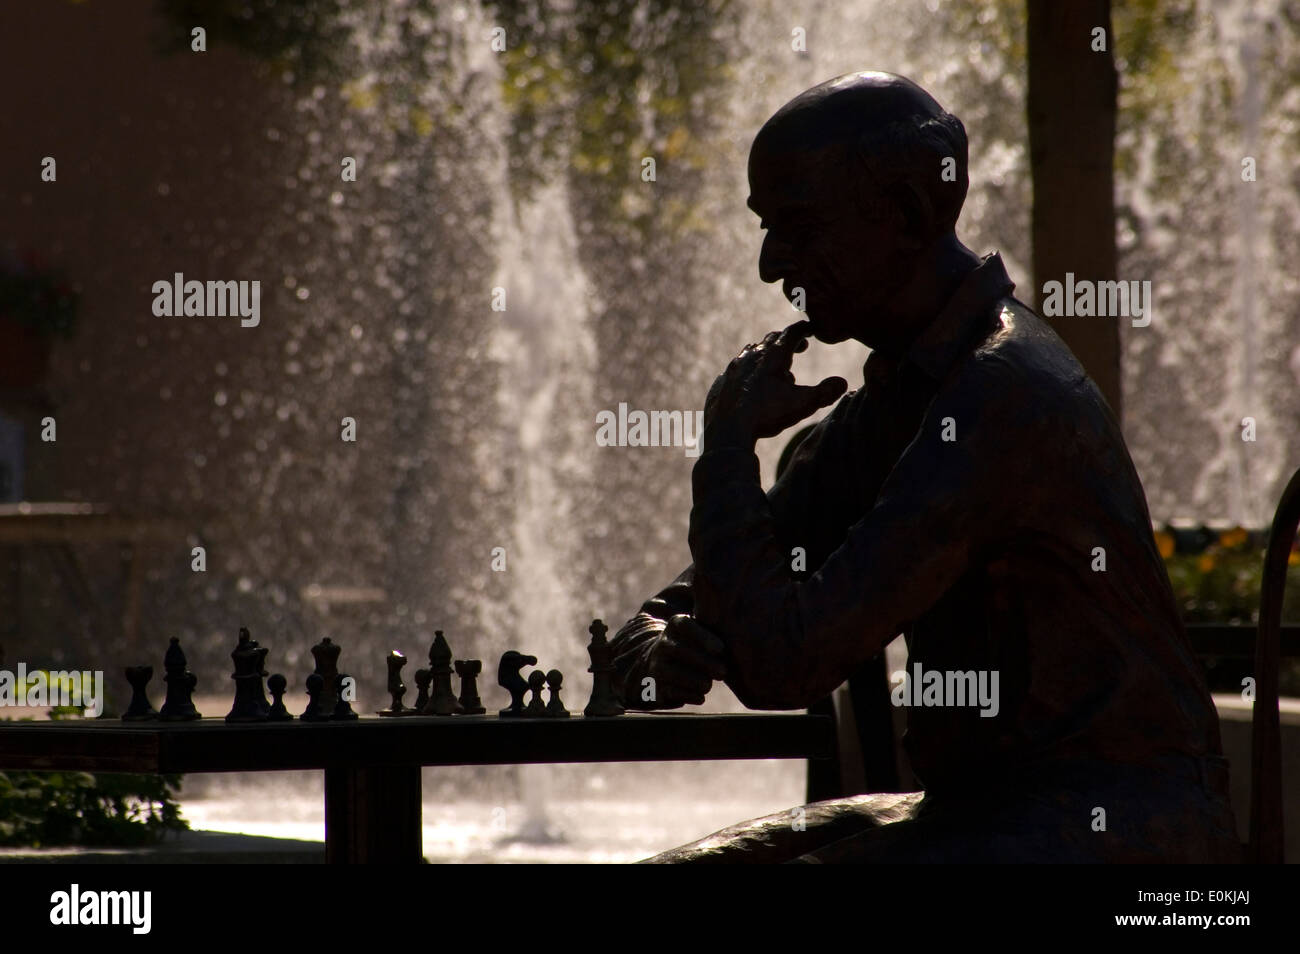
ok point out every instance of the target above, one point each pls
(372, 765)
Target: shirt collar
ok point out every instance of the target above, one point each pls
(944, 339)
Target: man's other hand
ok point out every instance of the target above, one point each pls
(678, 668)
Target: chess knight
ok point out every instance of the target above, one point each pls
(957, 498)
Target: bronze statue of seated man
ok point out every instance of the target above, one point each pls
(975, 495)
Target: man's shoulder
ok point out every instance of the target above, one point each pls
(1022, 357)
(1021, 381)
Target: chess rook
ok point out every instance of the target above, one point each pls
(140, 709)
(468, 670)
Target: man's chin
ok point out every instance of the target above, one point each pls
(826, 335)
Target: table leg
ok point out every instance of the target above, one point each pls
(372, 815)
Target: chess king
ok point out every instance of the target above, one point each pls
(959, 498)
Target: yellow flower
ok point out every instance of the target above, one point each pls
(677, 140)
(1206, 563)
(1231, 539)
(422, 121)
(360, 96)
(1165, 542)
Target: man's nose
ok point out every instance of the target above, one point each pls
(774, 260)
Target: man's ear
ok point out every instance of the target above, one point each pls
(915, 214)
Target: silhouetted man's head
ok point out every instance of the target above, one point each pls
(855, 181)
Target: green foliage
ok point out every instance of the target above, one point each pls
(300, 36)
(1152, 44)
(41, 809)
(608, 84)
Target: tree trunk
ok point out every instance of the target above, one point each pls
(1072, 109)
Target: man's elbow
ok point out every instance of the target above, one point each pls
(757, 691)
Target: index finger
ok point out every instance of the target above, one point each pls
(794, 338)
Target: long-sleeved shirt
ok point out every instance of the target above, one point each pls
(977, 496)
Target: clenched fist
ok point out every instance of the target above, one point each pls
(676, 668)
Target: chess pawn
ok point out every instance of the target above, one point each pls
(396, 688)
(536, 708)
(604, 700)
(508, 678)
(442, 700)
(278, 713)
(555, 708)
(313, 713)
(259, 691)
(343, 705)
(422, 690)
(179, 704)
(326, 654)
(468, 670)
(140, 709)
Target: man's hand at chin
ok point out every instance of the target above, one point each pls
(756, 396)
(676, 668)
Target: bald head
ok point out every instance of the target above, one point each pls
(858, 183)
(881, 136)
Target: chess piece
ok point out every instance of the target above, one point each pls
(536, 708)
(278, 713)
(250, 701)
(313, 712)
(259, 690)
(422, 690)
(326, 654)
(468, 670)
(343, 705)
(179, 704)
(396, 688)
(555, 708)
(442, 700)
(508, 678)
(140, 709)
(604, 700)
